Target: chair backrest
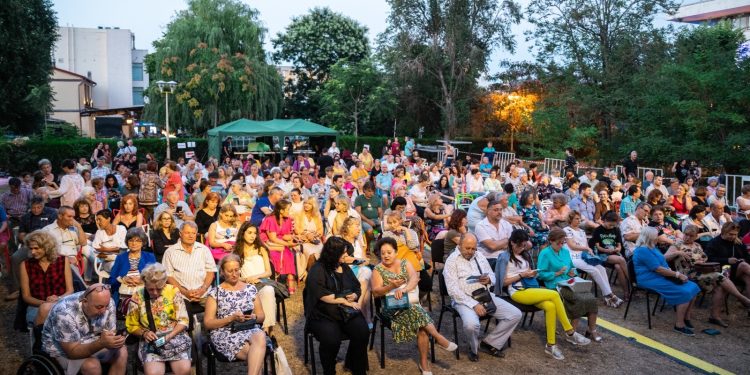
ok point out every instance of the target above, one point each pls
(631, 272)
(438, 251)
(443, 288)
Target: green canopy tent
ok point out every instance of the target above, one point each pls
(279, 128)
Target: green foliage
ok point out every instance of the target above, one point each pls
(214, 50)
(353, 93)
(314, 43)
(696, 106)
(23, 157)
(29, 30)
(449, 43)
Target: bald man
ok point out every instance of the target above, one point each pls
(465, 271)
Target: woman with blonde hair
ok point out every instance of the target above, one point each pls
(45, 276)
(222, 234)
(129, 216)
(89, 193)
(308, 226)
(342, 211)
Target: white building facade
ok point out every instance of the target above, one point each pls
(107, 56)
(713, 11)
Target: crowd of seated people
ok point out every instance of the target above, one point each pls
(144, 243)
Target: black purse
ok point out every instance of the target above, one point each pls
(347, 313)
(235, 327)
(483, 296)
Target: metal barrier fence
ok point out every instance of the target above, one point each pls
(502, 159)
(553, 165)
(734, 183)
(642, 172)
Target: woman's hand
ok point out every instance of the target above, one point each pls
(561, 271)
(571, 273)
(682, 277)
(150, 336)
(238, 316)
(351, 297)
(399, 293)
(52, 298)
(396, 283)
(354, 305)
(529, 273)
(227, 246)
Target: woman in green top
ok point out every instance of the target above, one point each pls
(555, 265)
(398, 277)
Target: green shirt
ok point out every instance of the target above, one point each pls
(369, 207)
(551, 262)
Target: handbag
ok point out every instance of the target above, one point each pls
(594, 260)
(280, 290)
(347, 312)
(391, 304)
(483, 296)
(529, 282)
(279, 359)
(172, 348)
(126, 290)
(235, 327)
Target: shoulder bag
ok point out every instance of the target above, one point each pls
(172, 348)
(483, 296)
(347, 312)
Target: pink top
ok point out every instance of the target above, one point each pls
(269, 224)
(174, 183)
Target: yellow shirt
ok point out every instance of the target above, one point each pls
(366, 160)
(359, 173)
(168, 310)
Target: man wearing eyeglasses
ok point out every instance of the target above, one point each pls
(79, 332)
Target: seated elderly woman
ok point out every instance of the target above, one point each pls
(356, 258)
(336, 217)
(332, 310)
(669, 233)
(556, 265)
(125, 276)
(45, 275)
(396, 278)
(229, 307)
(255, 269)
(689, 259)
(557, 215)
(653, 272)
(520, 279)
(222, 233)
(408, 249)
(157, 315)
(242, 200)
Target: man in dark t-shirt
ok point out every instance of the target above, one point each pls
(630, 165)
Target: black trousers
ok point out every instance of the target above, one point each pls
(331, 333)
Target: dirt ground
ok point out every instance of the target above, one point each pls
(615, 355)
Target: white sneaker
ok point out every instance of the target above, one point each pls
(577, 339)
(554, 351)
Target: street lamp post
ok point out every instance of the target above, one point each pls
(167, 88)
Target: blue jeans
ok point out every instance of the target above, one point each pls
(500, 265)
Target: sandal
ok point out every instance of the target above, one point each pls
(594, 336)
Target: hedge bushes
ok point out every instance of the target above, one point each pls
(19, 157)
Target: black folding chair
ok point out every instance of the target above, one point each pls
(635, 287)
(445, 306)
(386, 323)
(212, 356)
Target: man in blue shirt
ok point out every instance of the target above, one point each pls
(408, 147)
(585, 206)
(264, 206)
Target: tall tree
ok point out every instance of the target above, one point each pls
(595, 46)
(30, 29)
(449, 41)
(352, 93)
(214, 50)
(313, 44)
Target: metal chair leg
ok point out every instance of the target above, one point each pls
(648, 308)
(432, 349)
(630, 299)
(374, 329)
(455, 334)
(382, 346)
(283, 311)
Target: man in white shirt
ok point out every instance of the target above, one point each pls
(333, 150)
(129, 149)
(493, 232)
(632, 225)
(69, 235)
(459, 267)
(190, 267)
(716, 219)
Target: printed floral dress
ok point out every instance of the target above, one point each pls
(531, 218)
(404, 323)
(168, 311)
(707, 281)
(229, 302)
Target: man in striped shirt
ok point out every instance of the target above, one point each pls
(190, 267)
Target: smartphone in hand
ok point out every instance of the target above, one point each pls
(160, 342)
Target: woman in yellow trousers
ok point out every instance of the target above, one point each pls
(520, 279)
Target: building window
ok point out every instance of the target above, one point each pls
(137, 95)
(137, 71)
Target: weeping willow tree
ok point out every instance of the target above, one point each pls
(214, 51)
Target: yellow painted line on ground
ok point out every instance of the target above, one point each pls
(664, 349)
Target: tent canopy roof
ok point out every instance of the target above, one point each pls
(277, 127)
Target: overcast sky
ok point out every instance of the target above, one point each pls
(147, 19)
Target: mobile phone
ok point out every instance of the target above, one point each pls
(179, 208)
(247, 312)
(472, 279)
(237, 201)
(160, 342)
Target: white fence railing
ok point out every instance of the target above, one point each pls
(553, 165)
(502, 159)
(734, 183)
(642, 172)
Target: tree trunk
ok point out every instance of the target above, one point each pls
(451, 122)
(511, 139)
(356, 126)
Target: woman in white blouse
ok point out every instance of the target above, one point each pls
(577, 244)
(255, 266)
